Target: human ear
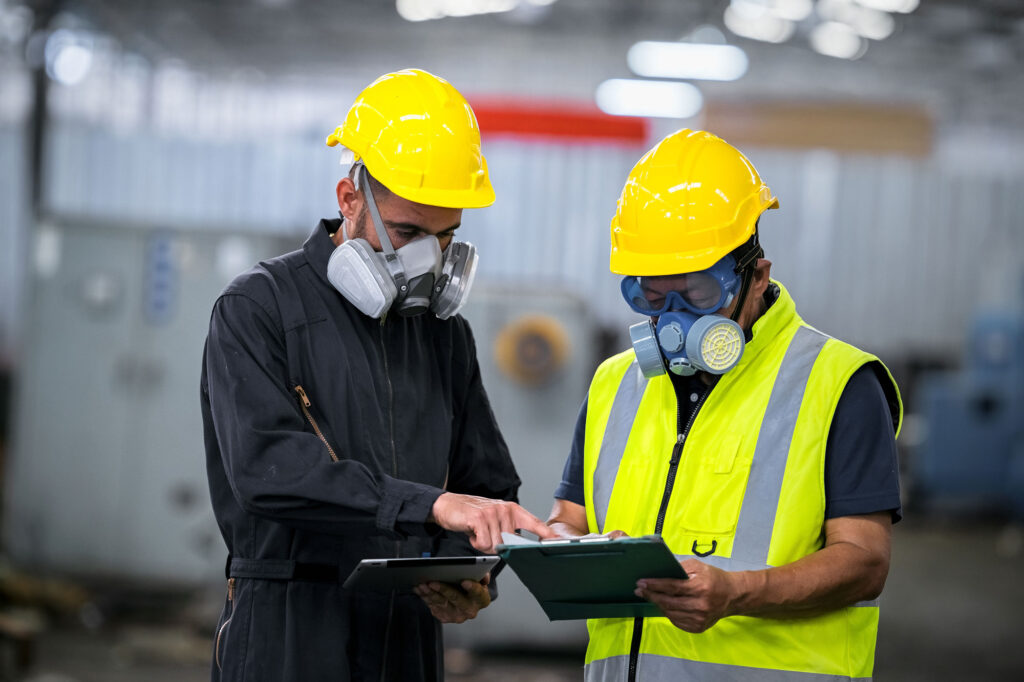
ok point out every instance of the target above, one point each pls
(349, 199)
(762, 277)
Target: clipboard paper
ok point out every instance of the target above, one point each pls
(591, 578)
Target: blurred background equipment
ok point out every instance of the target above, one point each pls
(151, 151)
(971, 451)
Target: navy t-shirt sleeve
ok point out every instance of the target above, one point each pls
(861, 471)
(571, 487)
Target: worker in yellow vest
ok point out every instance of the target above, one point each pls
(760, 449)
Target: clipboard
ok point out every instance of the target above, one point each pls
(390, 574)
(592, 577)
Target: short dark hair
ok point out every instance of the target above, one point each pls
(379, 190)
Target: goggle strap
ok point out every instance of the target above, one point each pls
(748, 279)
(752, 251)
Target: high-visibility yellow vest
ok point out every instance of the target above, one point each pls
(747, 493)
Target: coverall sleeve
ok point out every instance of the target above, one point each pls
(480, 459)
(480, 463)
(277, 469)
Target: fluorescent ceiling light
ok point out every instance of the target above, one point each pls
(901, 6)
(874, 24)
(793, 10)
(661, 99)
(751, 21)
(837, 40)
(424, 10)
(68, 56)
(687, 60)
(790, 10)
(870, 23)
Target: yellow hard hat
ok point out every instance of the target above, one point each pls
(687, 202)
(419, 137)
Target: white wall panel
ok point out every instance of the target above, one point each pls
(13, 213)
(891, 253)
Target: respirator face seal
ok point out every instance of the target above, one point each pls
(686, 337)
(410, 280)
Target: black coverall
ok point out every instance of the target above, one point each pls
(402, 414)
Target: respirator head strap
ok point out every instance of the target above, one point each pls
(394, 265)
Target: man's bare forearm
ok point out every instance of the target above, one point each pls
(836, 576)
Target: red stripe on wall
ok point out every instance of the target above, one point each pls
(568, 122)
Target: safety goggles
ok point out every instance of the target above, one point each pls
(698, 292)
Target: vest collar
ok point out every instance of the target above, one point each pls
(778, 317)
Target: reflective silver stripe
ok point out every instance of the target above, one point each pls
(616, 433)
(761, 500)
(614, 669)
(724, 563)
(651, 667)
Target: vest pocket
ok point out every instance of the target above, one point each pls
(712, 497)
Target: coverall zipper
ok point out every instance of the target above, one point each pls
(670, 481)
(394, 472)
(231, 614)
(306, 404)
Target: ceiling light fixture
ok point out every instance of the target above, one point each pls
(68, 56)
(793, 10)
(870, 23)
(425, 10)
(834, 39)
(687, 60)
(659, 99)
(899, 6)
(753, 20)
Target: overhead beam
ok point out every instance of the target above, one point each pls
(854, 127)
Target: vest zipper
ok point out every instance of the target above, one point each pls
(306, 404)
(670, 481)
(220, 631)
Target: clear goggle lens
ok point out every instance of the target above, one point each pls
(698, 292)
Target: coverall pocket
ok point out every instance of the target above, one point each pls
(716, 487)
(306, 405)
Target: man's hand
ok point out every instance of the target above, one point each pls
(484, 519)
(452, 605)
(695, 604)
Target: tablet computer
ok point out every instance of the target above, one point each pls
(592, 577)
(390, 574)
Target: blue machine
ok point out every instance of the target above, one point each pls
(973, 447)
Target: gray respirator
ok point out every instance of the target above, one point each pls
(410, 280)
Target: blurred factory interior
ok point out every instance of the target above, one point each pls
(150, 151)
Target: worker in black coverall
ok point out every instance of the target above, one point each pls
(341, 425)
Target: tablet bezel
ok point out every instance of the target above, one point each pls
(389, 574)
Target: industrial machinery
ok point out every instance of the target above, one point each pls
(972, 451)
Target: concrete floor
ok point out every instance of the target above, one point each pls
(953, 609)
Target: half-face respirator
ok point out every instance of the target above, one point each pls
(411, 280)
(686, 336)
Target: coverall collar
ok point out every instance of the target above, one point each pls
(318, 247)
